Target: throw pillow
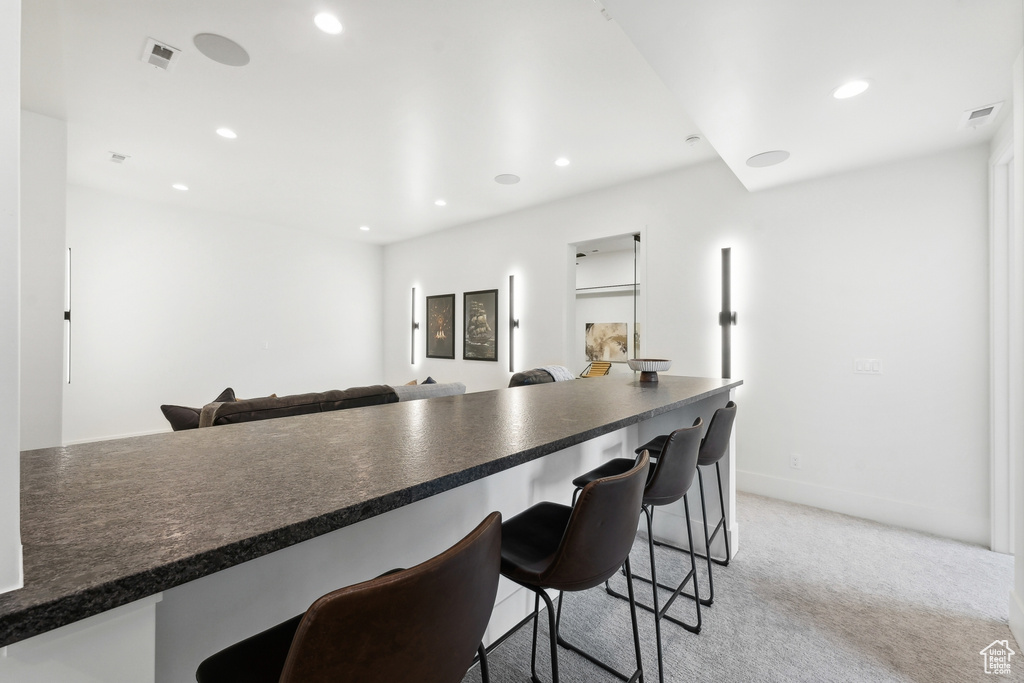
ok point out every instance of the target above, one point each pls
(412, 383)
(225, 396)
(429, 380)
(183, 417)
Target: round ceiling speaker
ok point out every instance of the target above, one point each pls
(768, 158)
(506, 179)
(220, 49)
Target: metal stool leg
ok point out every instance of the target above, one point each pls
(553, 635)
(691, 575)
(638, 675)
(485, 676)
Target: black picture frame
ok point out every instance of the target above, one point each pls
(480, 325)
(440, 336)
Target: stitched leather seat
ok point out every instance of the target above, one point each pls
(420, 625)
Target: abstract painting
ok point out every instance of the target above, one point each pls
(607, 341)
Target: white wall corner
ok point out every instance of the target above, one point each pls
(10, 293)
(1017, 618)
(16, 569)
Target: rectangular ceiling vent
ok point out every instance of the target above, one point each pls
(160, 55)
(118, 158)
(974, 118)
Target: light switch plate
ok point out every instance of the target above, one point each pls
(867, 366)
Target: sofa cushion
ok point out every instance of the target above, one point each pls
(357, 397)
(526, 377)
(183, 417)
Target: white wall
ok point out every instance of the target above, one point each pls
(171, 305)
(1017, 453)
(10, 467)
(43, 220)
(887, 263)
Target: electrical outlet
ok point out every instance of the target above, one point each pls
(794, 461)
(867, 366)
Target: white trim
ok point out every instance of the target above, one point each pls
(1002, 317)
(94, 439)
(936, 521)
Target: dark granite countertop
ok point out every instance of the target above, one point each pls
(107, 523)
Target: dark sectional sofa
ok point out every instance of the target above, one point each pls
(225, 409)
(233, 412)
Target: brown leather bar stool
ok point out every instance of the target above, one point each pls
(669, 480)
(576, 548)
(420, 625)
(713, 448)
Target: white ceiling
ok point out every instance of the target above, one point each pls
(416, 101)
(757, 76)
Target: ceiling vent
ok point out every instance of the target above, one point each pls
(118, 158)
(160, 55)
(974, 118)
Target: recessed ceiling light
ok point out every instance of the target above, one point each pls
(851, 89)
(227, 133)
(328, 23)
(506, 179)
(440, 202)
(180, 186)
(561, 161)
(768, 158)
(364, 228)
(692, 140)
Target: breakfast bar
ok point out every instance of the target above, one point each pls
(143, 555)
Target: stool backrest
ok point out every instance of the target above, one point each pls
(716, 441)
(676, 466)
(421, 624)
(600, 531)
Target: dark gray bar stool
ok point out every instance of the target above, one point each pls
(420, 625)
(576, 548)
(713, 448)
(668, 481)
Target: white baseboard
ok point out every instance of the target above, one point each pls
(897, 513)
(1017, 618)
(117, 436)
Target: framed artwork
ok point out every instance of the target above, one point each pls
(441, 326)
(480, 315)
(607, 341)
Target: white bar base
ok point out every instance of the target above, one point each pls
(118, 646)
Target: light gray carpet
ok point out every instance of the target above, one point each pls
(812, 596)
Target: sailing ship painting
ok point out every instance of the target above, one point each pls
(441, 326)
(480, 312)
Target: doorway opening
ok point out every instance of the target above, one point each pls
(610, 303)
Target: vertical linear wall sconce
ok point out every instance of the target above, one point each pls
(67, 313)
(513, 322)
(415, 326)
(727, 317)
